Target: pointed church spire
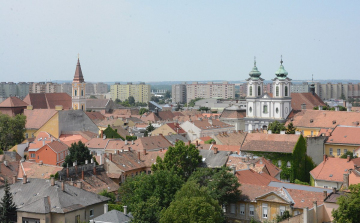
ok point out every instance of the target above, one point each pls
(78, 77)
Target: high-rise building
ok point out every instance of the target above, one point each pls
(179, 93)
(223, 90)
(300, 88)
(141, 92)
(78, 89)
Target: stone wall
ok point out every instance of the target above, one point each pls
(315, 148)
(76, 170)
(296, 219)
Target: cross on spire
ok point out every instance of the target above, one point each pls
(78, 55)
(254, 61)
(281, 61)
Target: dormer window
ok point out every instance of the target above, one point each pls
(334, 121)
(311, 120)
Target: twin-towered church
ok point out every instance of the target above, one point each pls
(262, 107)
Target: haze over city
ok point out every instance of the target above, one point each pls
(178, 40)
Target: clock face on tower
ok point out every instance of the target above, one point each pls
(259, 82)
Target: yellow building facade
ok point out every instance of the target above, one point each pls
(141, 92)
(337, 150)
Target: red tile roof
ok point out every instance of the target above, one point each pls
(304, 198)
(57, 146)
(232, 138)
(95, 115)
(345, 135)
(176, 127)
(69, 139)
(333, 169)
(49, 100)
(324, 118)
(235, 114)
(283, 143)
(13, 102)
(311, 101)
(254, 178)
(38, 117)
(205, 124)
(229, 148)
(35, 170)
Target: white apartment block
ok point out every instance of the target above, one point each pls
(223, 90)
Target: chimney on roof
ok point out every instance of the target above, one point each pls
(197, 143)
(52, 181)
(233, 168)
(320, 107)
(214, 142)
(215, 150)
(14, 179)
(71, 183)
(325, 157)
(269, 131)
(132, 142)
(125, 210)
(79, 184)
(348, 158)
(63, 185)
(106, 208)
(248, 166)
(346, 181)
(315, 217)
(82, 174)
(44, 142)
(336, 108)
(334, 190)
(94, 170)
(325, 194)
(161, 150)
(303, 106)
(138, 155)
(110, 157)
(126, 142)
(144, 151)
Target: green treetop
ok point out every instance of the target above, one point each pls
(78, 152)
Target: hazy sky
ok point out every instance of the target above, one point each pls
(153, 40)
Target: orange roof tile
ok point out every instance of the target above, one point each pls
(333, 169)
(283, 143)
(38, 117)
(344, 135)
(229, 148)
(69, 139)
(13, 102)
(34, 170)
(232, 138)
(311, 101)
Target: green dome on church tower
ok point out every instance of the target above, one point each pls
(255, 73)
(281, 72)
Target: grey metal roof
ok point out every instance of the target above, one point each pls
(113, 216)
(212, 160)
(172, 138)
(298, 187)
(38, 196)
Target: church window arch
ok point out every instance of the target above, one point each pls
(259, 90)
(82, 92)
(75, 92)
(277, 91)
(265, 109)
(286, 91)
(250, 91)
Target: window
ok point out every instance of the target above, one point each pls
(26, 135)
(331, 151)
(33, 155)
(282, 210)
(286, 91)
(265, 109)
(82, 92)
(77, 219)
(326, 186)
(250, 91)
(242, 209)
(232, 208)
(277, 91)
(251, 210)
(91, 213)
(279, 163)
(338, 152)
(277, 110)
(82, 107)
(149, 171)
(259, 90)
(288, 164)
(250, 109)
(312, 133)
(345, 151)
(75, 92)
(265, 209)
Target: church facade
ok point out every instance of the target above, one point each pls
(78, 89)
(264, 108)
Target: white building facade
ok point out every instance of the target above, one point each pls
(264, 108)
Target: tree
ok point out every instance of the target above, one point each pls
(223, 186)
(181, 159)
(301, 164)
(282, 217)
(154, 98)
(348, 153)
(192, 102)
(206, 109)
(147, 195)
(349, 206)
(143, 110)
(178, 107)
(77, 152)
(117, 101)
(7, 205)
(167, 95)
(112, 134)
(192, 204)
(93, 97)
(276, 127)
(150, 128)
(131, 100)
(12, 130)
(343, 96)
(290, 129)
